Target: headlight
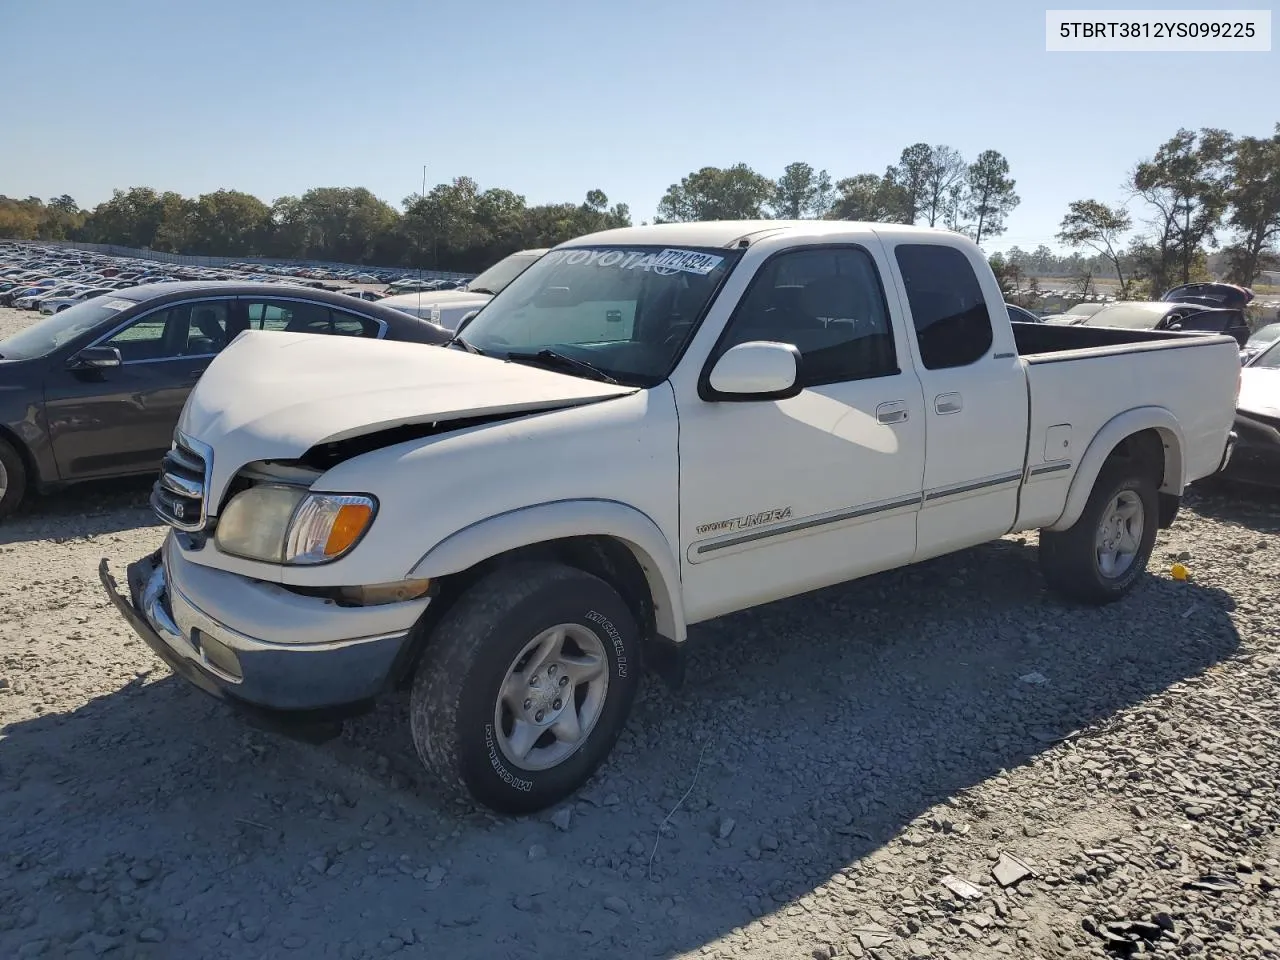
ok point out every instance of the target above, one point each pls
(277, 523)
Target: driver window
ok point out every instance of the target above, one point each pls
(183, 330)
(829, 304)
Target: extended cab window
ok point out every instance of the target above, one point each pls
(829, 304)
(952, 324)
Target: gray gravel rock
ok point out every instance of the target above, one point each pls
(1139, 782)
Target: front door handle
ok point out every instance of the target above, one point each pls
(895, 411)
(945, 403)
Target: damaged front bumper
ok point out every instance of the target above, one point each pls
(301, 688)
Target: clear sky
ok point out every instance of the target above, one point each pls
(551, 98)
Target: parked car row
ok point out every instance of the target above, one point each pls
(94, 390)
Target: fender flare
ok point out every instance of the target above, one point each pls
(1107, 439)
(559, 519)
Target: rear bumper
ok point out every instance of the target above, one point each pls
(1255, 458)
(289, 686)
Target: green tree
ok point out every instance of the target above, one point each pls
(909, 180)
(1253, 198)
(989, 195)
(712, 193)
(1093, 224)
(1186, 186)
(228, 223)
(941, 198)
(868, 197)
(331, 223)
(131, 217)
(802, 193)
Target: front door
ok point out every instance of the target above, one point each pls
(976, 404)
(782, 496)
(120, 420)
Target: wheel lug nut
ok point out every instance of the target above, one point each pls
(533, 681)
(557, 705)
(563, 681)
(538, 716)
(551, 670)
(528, 704)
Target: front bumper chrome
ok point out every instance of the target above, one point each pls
(333, 677)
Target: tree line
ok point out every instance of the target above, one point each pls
(454, 226)
(1205, 200)
(1201, 191)
(932, 185)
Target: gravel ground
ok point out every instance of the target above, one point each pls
(938, 762)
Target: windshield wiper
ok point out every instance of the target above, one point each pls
(469, 347)
(550, 358)
(481, 290)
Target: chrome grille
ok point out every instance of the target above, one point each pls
(178, 497)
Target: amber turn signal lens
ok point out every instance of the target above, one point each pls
(348, 525)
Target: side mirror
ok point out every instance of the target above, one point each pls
(466, 318)
(758, 370)
(96, 358)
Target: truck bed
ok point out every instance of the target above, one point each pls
(1081, 377)
(1034, 339)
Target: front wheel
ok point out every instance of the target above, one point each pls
(525, 686)
(1100, 557)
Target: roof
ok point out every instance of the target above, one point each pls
(728, 233)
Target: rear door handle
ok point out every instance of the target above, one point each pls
(895, 411)
(945, 403)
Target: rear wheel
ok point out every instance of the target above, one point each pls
(13, 479)
(525, 686)
(1100, 557)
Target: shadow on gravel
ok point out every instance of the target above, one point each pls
(810, 732)
(83, 510)
(1253, 507)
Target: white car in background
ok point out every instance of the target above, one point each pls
(446, 308)
(56, 304)
(1263, 338)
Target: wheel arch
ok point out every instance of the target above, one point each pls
(1148, 433)
(607, 538)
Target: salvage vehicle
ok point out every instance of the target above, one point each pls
(95, 390)
(1256, 460)
(448, 307)
(648, 428)
(1182, 315)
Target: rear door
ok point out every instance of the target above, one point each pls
(975, 396)
(120, 420)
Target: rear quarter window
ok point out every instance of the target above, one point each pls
(950, 315)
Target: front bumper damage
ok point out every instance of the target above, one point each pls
(303, 689)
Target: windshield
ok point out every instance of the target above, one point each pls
(503, 272)
(1269, 359)
(42, 338)
(627, 311)
(1130, 316)
(1264, 336)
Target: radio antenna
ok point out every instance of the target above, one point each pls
(423, 195)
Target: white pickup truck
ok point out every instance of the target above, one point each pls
(648, 428)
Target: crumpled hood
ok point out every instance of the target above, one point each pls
(1259, 391)
(274, 395)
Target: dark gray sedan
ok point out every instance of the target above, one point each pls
(96, 390)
